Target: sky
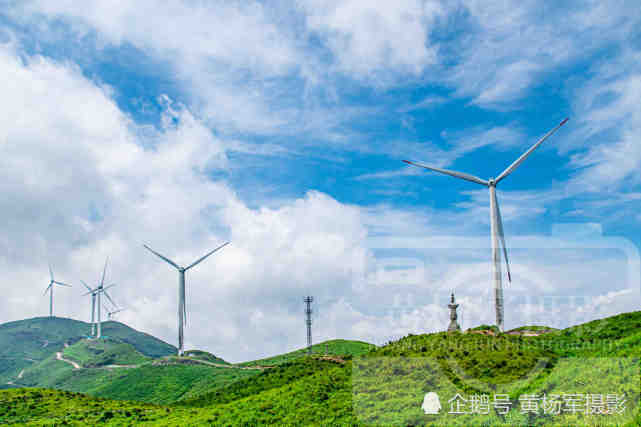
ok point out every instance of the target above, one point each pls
(280, 127)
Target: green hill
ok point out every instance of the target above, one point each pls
(26, 342)
(332, 347)
(103, 352)
(203, 355)
(380, 385)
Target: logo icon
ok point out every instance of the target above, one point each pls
(431, 404)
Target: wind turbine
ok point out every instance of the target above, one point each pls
(50, 289)
(95, 295)
(182, 310)
(496, 225)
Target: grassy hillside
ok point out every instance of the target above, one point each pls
(203, 355)
(128, 375)
(103, 352)
(25, 342)
(382, 386)
(332, 347)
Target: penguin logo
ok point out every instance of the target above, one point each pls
(431, 404)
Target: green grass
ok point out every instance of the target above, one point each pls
(382, 386)
(95, 353)
(203, 355)
(492, 328)
(35, 407)
(29, 341)
(268, 379)
(533, 328)
(332, 347)
(167, 383)
(149, 382)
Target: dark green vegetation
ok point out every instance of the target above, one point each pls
(365, 384)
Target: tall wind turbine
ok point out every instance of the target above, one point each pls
(95, 295)
(496, 225)
(182, 310)
(50, 289)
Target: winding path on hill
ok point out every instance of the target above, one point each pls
(19, 376)
(74, 364)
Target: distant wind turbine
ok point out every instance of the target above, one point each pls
(50, 289)
(182, 310)
(95, 295)
(112, 312)
(496, 225)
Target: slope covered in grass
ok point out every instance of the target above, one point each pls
(149, 382)
(332, 347)
(204, 355)
(103, 352)
(385, 385)
(25, 342)
(56, 407)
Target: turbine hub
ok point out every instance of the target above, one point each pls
(491, 182)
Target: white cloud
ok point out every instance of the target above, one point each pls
(606, 142)
(510, 46)
(371, 39)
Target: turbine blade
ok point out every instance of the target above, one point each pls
(60, 283)
(525, 155)
(86, 286)
(109, 298)
(90, 292)
(104, 272)
(45, 292)
(502, 237)
(162, 257)
(50, 272)
(110, 286)
(455, 174)
(206, 255)
(184, 310)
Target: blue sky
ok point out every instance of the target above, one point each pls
(282, 126)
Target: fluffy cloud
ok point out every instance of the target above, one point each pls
(373, 39)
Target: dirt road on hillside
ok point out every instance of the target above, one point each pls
(71, 362)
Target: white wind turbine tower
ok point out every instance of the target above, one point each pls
(50, 289)
(95, 295)
(496, 225)
(182, 310)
